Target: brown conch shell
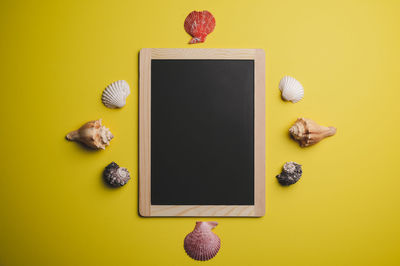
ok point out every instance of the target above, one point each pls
(92, 134)
(306, 132)
(202, 244)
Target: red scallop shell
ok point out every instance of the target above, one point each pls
(201, 243)
(199, 25)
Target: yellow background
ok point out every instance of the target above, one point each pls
(58, 56)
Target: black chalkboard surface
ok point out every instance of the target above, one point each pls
(202, 132)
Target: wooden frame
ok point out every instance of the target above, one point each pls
(145, 207)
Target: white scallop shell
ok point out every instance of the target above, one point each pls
(114, 96)
(291, 89)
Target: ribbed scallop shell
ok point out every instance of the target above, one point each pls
(114, 96)
(202, 244)
(199, 25)
(291, 89)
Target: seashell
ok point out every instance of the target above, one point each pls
(92, 134)
(202, 244)
(116, 176)
(199, 25)
(306, 132)
(290, 174)
(291, 89)
(114, 96)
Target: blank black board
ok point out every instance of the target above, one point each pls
(202, 132)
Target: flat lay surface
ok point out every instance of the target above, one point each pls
(59, 56)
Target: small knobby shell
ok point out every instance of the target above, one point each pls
(290, 174)
(199, 25)
(116, 176)
(202, 244)
(92, 134)
(291, 89)
(306, 132)
(114, 96)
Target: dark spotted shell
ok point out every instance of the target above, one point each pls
(116, 176)
(291, 173)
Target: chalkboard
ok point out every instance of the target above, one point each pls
(201, 134)
(202, 124)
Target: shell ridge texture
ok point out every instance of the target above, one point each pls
(291, 89)
(115, 94)
(202, 244)
(199, 25)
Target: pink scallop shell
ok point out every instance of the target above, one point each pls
(199, 25)
(202, 244)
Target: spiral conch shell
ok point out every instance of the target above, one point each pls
(202, 244)
(291, 89)
(306, 132)
(92, 134)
